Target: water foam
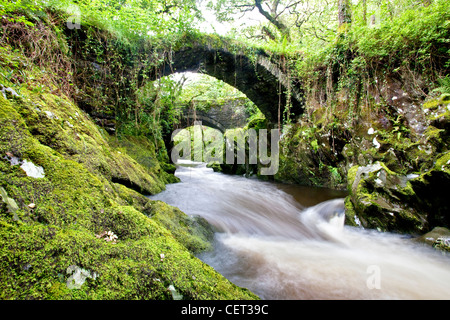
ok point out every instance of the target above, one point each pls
(281, 250)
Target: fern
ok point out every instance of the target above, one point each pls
(444, 85)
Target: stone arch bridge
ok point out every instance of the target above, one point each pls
(258, 76)
(253, 72)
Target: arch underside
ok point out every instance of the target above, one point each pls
(190, 120)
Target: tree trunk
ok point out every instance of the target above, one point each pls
(278, 24)
(365, 12)
(344, 12)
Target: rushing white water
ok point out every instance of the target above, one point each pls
(279, 249)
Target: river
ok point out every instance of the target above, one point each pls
(290, 242)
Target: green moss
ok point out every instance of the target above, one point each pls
(433, 133)
(35, 259)
(142, 150)
(193, 232)
(434, 103)
(257, 123)
(350, 214)
(215, 166)
(76, 202)
(443, 163)
(130, 197)
(57, 123)
(382, 199)
(351, 176)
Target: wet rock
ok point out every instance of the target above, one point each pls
(431, 238)
(442, 244)
(78, 277)
(382, 199)
(432, 188)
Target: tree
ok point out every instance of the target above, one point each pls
(293, 21)
(272, 10)
(364, 4)
(134, 18)
(344, 14)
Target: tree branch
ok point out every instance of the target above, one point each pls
(279, 25)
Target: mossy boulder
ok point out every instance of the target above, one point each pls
(87, 218)
(216, 166)
(195, 233)
(310, 156)
(143, 151)
(60, 125)
(438, 114)
(141, 265)
(381, 199)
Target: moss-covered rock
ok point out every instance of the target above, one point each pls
(310, 155)
(381, 199)
(194, 233)
(216, 166)
(143, 152)
(84, 193)
(438, 113)
(59, 124)
(141, 265)
(434, 238)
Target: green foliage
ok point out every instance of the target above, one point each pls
(443, 85)
(86, 191)
(22, 7)
(408, 41)
(107, 59)
(417, 32)
(135, 19)
(399, 128)
(206, 88)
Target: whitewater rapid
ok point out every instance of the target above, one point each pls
(282, 249)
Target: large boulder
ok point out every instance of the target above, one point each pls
(73, 224)
(382, 199)
(438, 238)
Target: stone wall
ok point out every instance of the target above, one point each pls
(224, 115)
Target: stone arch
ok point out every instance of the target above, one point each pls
(189, 120)
(263, 82)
